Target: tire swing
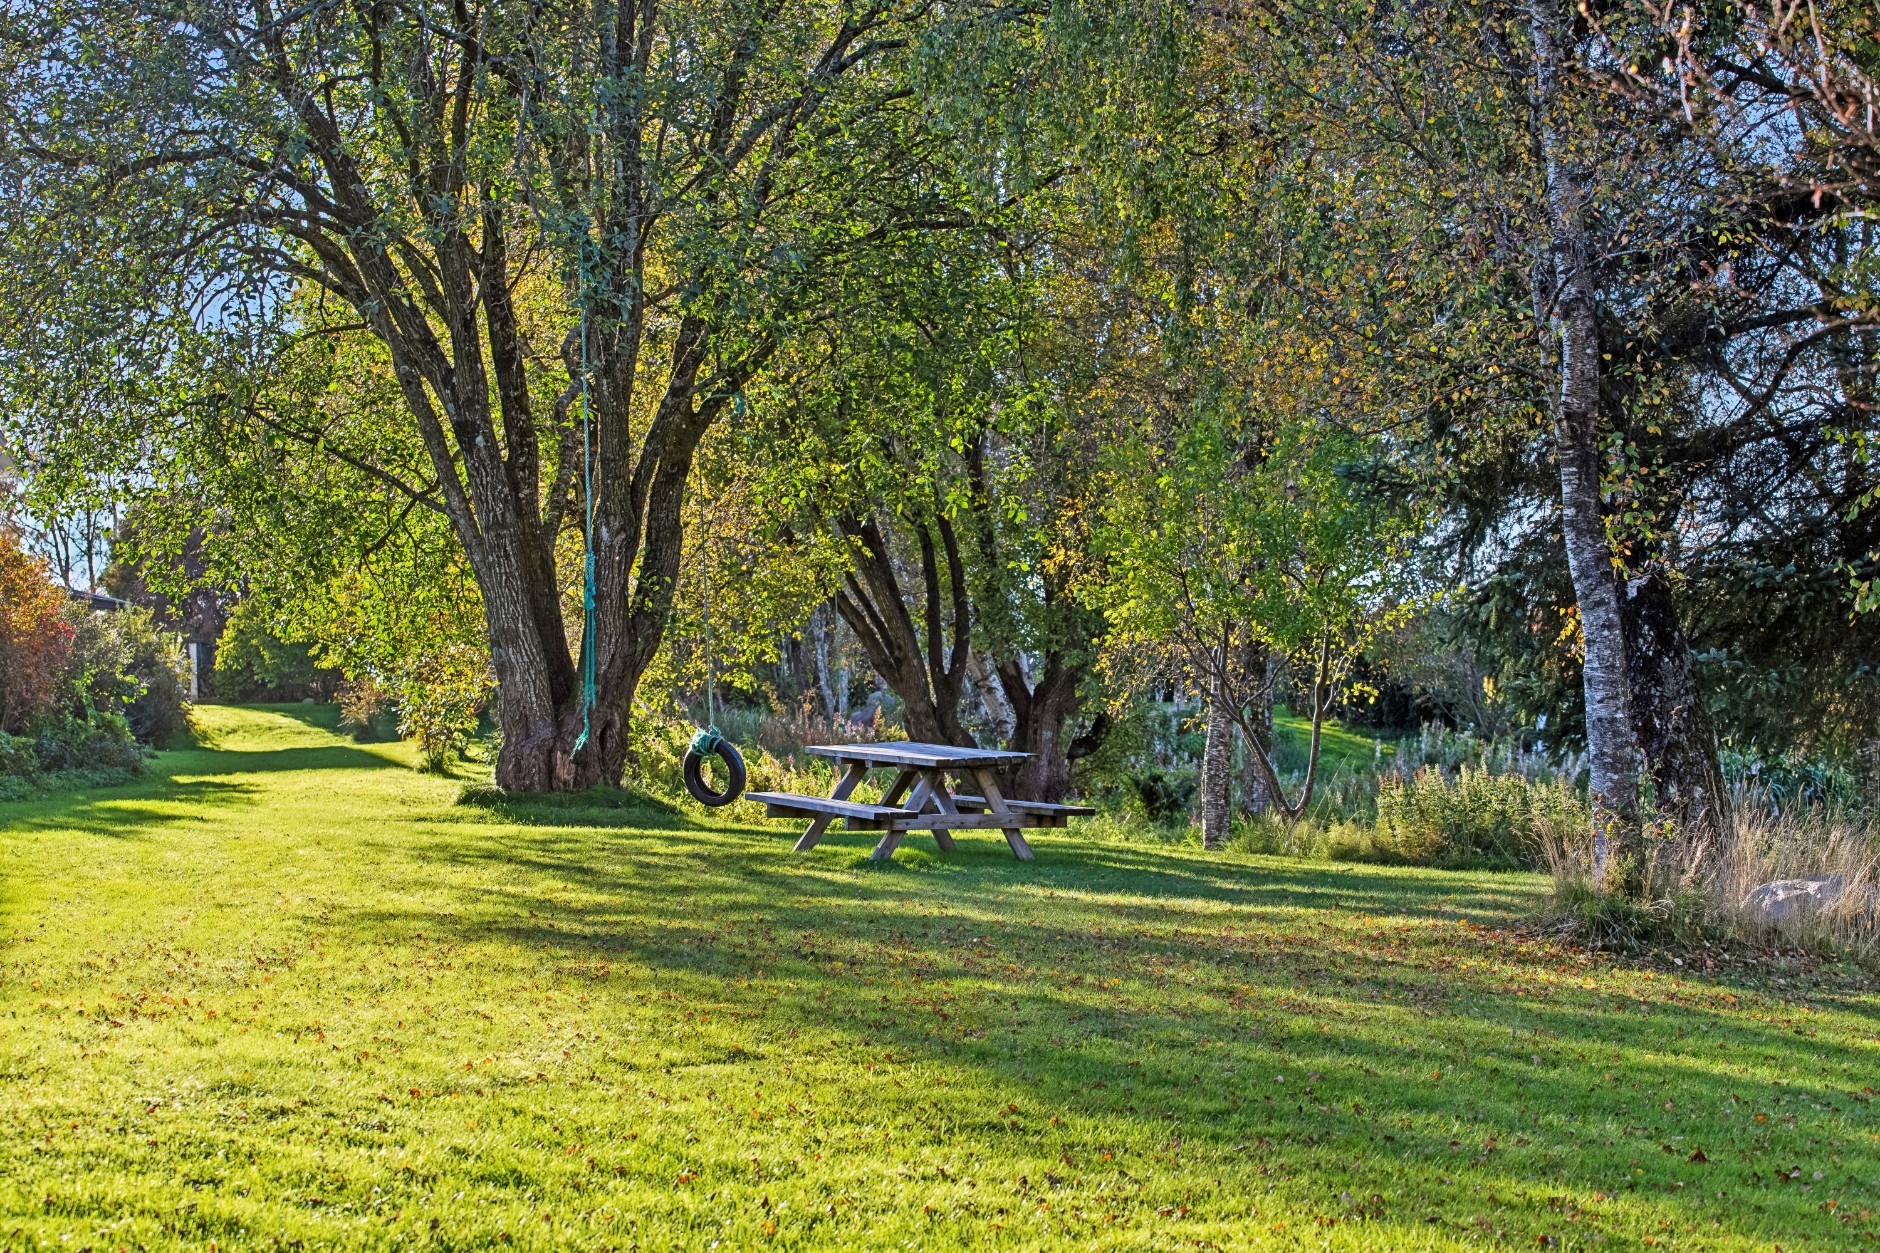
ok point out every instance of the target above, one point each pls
(708, 743)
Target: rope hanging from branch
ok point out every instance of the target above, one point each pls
(709, 743)
(589, 688)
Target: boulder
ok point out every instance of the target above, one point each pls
(1792, 900)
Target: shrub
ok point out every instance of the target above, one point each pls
(1165, 795)
(441, 696)
(156, 660)
(18, 760)
(255, 659)
(35, 636)
(101, 741)
(77, 689)
(364, 708)
(1790, 781)
(1471, 819)
(122, 663)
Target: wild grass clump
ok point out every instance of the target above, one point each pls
(1310, 838)
(1698, 884)
(1609, 922)
(1473, 817)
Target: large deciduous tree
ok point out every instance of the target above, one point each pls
(578, 233)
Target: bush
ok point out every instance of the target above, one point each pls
(254, 660)
(35, 636)
(441, 695)
(156, 660)
(1471, 819)
(18, 758)
(1165, 796)
(1790, 781)
(367, 711)
(71, 683)
(121, 663)
(102, 741)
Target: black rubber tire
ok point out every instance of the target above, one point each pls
(695, 775)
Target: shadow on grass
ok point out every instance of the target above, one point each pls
(201, 778)
(598, 807)
(1136, 871)
(1144, 995)
(320, 715)
(230, 761)
(933, 959)
(128, 810)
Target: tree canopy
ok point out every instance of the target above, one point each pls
(1044, 356)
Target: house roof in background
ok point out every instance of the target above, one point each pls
(97, 601)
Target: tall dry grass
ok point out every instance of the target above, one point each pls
(1698, 884)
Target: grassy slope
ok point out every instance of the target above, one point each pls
(287, 994)
(1338, 748)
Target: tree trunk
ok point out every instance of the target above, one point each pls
(1041, 715)
(1675, 737)
(1217, 769)
(988, 688)
(540, 730)
(822, 629)
(919, 666)
(1867, 767)
(1612, 756)
(1255, 796)
(1038, 728)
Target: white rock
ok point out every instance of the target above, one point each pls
(1792, 900)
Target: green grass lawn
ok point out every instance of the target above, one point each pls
(1338, 748)
(286, 993)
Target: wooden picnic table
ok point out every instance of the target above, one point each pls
(919, 799)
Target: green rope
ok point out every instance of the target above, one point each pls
(589, 691)
(705, 589)
(706, 742)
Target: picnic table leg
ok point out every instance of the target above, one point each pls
(898, 789)
(943, 801)
(846, 784)
(890, 840)
(995, 802)
(930, 793)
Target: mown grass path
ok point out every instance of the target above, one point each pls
(287, 994)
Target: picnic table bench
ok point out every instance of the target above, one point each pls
(919, 799)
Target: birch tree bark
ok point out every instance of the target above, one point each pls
(831, 694)
(1566, 295)
(1217, 767)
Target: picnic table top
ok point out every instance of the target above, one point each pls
(915, 754)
